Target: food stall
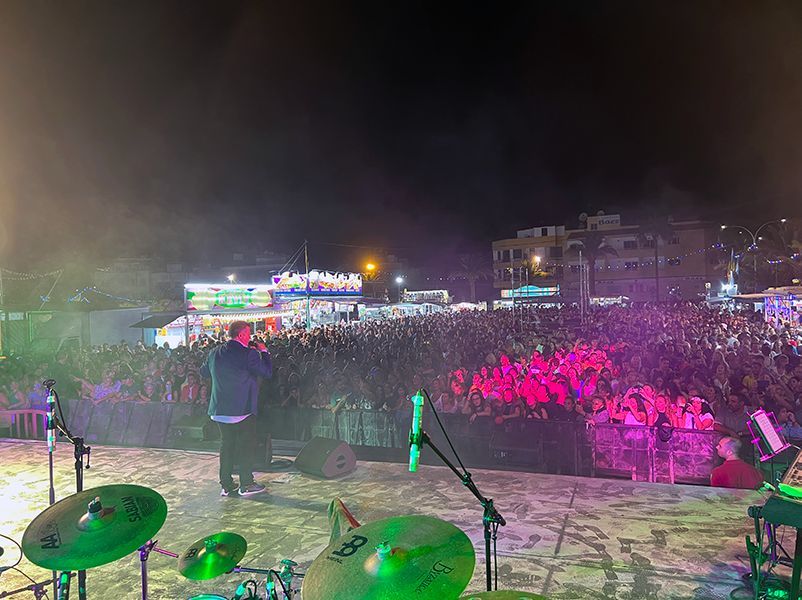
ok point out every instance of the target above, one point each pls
(211, 307)
(782, 307)
(319, 297)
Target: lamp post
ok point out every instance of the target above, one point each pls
(370, 275)
(231, 278)
(399, 280)
(754, 235)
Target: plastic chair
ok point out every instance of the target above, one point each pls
(26, 423)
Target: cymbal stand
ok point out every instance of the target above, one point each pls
(144, 553)
(491, 518)
(39, 590)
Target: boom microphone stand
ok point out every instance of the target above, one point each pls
(81, 450)
(491, 518)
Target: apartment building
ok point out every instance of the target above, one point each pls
(623, 258)
(533, 256)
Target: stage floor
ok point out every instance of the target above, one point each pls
(567, 537)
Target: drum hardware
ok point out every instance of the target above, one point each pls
(92, 528)
(503, 595)
(38, 588)
(144, 553)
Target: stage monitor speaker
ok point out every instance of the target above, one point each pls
(325, 457)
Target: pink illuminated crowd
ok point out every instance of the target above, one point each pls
(687, 366)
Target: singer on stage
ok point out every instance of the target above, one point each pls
(235, 369)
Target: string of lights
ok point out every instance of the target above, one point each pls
(637, 263)
(80, 296)
(10, 275)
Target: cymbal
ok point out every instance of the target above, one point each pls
(503, 595)
(94, 527)
(393, 559)
(212, 556)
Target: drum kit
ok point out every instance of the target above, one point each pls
(389, 559)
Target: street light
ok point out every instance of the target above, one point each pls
(754, 235)
(232, 278)
(399, 280)
(370, 267)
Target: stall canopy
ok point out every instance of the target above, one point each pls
(157, 321)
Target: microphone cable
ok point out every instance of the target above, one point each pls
(443, 429)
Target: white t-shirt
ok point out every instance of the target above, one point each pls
(690, 423)
(229, 419)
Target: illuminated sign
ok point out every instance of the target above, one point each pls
(531, 291)
(227, 297)
(320, 283)
(440, 296)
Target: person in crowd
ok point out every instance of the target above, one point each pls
(732, 416)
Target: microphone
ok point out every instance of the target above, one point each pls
(51, 416)
(49, 383)
(415, 436)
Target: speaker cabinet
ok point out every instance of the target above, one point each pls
(324, 457)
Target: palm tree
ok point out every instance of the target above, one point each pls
(593, 246)
(471, 268)
(655, 229)
(779, 255)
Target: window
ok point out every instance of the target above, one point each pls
(505, 255)
(517, 253)
(556, 252)
(648, 243)
(674, 262)
(594, 226)
(630, 245)
(674, 241)
(544, 231)
(631, 265)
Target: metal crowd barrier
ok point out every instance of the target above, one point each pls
(634, 452)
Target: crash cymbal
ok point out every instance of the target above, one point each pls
(94, 527)
(503, 595)
(393, 559)
(212, 556)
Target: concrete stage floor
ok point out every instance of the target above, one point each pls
(567, 537)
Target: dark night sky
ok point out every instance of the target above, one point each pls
(132, 127)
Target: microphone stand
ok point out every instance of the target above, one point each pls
(80, 450)
(491, 518)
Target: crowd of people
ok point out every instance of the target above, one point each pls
(686, 365)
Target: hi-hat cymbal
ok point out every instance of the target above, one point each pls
(94, 527)
(212, 556)
(503, 595)
(393, 559)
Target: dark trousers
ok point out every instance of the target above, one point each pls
(238, 442)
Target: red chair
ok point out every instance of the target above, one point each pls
(27, 423)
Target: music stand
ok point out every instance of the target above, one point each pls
(766, 434)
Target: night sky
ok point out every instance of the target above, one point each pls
(175, 127)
